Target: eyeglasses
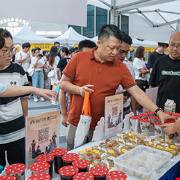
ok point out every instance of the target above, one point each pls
(122, 51)
(172, 46)
(6, 53)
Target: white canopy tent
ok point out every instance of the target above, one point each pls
(27, 35)
(117, 6)
(70, 37)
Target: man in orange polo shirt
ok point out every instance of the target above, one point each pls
(99, 72)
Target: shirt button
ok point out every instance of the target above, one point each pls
(99, 69)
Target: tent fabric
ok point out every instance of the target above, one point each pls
(27, 35)
(70, 37)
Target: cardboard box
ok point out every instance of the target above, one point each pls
(170, 106)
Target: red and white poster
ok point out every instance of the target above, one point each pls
(42, 135)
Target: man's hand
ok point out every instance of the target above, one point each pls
(86, 88)
(28, 55)
(162, 116)
(44, 93)
(169, 129)
(64, 120)
(58, 78)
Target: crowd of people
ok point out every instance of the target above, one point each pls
(101, 69)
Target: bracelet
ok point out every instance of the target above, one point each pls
(156, 111)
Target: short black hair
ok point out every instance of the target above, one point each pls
(56, 43)
(4, 34)
(44, 52)
(65, 49)
(126, 38)
(163, 44)
(108, 31)
(33, 50)
(26, 45)
(37, 49)
(86, 43)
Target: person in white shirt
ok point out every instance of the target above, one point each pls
(140, 71)
(123, 52)
(52, 63)
(38, 64)
(24, 59)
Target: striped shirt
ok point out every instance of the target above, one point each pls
(12, 121)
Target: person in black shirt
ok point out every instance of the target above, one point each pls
(63, 62)
(166, 74)
(156, 54)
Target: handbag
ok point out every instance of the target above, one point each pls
(51, 74)
(84, 123)
(30, 70)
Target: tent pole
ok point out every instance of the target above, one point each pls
(113, 13)
(178, 26)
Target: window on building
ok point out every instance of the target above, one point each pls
(101, 18)
(89, 30)
(125, 23)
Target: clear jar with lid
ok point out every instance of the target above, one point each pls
(16, 170)
(164, 145)
(160, 148)
(58, 162)
(9, 177)
(103, 145)
(115, 144)
(109, 147)
(88, 150)
(82, 164)
(169, 142)
(117, 154)
(114, 140)
(39, 167)
(169, 150)
(89, 157)
(99, 172)
(82, 154)
(97, 160)
(116, 175)
(69, 158)
(67, 172)
(111, 159)
(124, 151)
(95, 147)
(116, 149)
(49, 158)
(104, 156)
(102, 150)
(40, 176)
(95, 153)
(178, 146)
(104, 163)
(174, 147)
(110, 152)
(83, 176)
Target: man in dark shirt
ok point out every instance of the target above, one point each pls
(166, 74)
(156, 54)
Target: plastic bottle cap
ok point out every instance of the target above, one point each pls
(45, 158)
(15, 168)
(134, 117)
(70, 157)
(59, 152)
(83, 176)
(82, 163)
(98, 170)
(39, 167)
(116, 175)
(68, 171)
(7, 177)
(39, 176)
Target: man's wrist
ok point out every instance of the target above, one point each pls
(156, 112)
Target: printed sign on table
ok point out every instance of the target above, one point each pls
(42, 135)
(113, 114)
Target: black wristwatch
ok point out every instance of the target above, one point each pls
(158, 109)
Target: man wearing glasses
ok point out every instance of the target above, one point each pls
(12, 109)
(123, 52)
(166, 74)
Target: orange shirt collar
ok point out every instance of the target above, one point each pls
(95, 59)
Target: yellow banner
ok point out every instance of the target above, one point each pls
(167, 50)
(43, 47)
(150, 49)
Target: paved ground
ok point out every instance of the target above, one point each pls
(46, 106)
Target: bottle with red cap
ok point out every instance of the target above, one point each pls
(17, 170)
(40, 176)
(39, 167)
(82, 164)
(83, 176)
(68, 172)
(69, 158)
(58, 162)
(116, 175)
(99, 172)
(9, 177)
(49, 158)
